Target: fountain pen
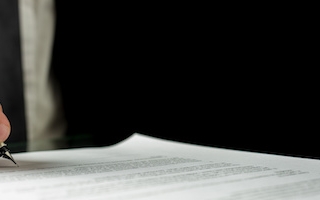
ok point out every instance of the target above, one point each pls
(5, 152)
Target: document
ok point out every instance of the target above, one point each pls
(146, 168)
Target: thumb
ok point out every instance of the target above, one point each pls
(5, 127)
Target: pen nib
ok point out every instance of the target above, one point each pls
(7, 155)
(4, 152)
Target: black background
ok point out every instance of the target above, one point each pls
(184, 73)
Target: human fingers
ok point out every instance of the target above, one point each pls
(5, 127)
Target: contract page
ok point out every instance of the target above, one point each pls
(144, 167)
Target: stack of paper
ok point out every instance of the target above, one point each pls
(143, 167)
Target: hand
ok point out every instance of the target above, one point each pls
(5, 127)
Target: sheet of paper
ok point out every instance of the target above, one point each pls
(143, 167)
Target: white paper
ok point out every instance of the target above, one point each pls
(143, 167)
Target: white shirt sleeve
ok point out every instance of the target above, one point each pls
(45, 124)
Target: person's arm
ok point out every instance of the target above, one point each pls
(5, 127)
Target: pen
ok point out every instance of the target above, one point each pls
(5, 152)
